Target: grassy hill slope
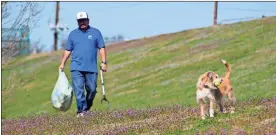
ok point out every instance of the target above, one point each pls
(155, 71)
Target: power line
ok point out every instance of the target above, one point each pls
(252, 10)
(238, 19)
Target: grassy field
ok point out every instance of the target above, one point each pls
(158, 71)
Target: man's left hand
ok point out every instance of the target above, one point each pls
(104, 67)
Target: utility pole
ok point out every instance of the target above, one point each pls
(215, 13)
(57, 27)
(56, 32)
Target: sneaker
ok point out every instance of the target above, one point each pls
(80, 115)
(85, 112)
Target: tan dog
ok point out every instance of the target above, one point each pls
(206, 89)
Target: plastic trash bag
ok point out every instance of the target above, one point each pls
(62, 94)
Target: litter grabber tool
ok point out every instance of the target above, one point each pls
(104, 96)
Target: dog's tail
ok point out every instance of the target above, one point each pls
(228, 68)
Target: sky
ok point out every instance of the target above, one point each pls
(143, 19)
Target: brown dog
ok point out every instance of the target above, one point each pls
(207, 89)
(226, 89)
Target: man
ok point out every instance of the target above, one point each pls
(84, 43)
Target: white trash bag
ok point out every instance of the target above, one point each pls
(62, 94)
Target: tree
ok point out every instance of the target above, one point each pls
(37, 48)
(114, 38)
(120, 38)
(17, 26)
(106, 38)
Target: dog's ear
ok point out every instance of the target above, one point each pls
(209, 75)
(204, 79)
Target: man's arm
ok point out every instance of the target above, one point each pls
(101, 46)
(103, 57)
(67, 52)
(66, 55)
(103, 54)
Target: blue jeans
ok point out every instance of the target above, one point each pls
(89, 81)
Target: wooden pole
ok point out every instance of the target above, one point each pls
(56, 33)
(215, 12)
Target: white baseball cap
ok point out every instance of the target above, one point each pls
(82, 15)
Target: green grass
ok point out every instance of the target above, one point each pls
(163, 72)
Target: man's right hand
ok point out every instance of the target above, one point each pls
(61, 66)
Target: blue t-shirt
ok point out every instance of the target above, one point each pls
(84, 47)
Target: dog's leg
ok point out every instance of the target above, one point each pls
(219, 100)
(232, 99)
(212, 100)
(212, 106)
(220, 105)
(202, 109)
